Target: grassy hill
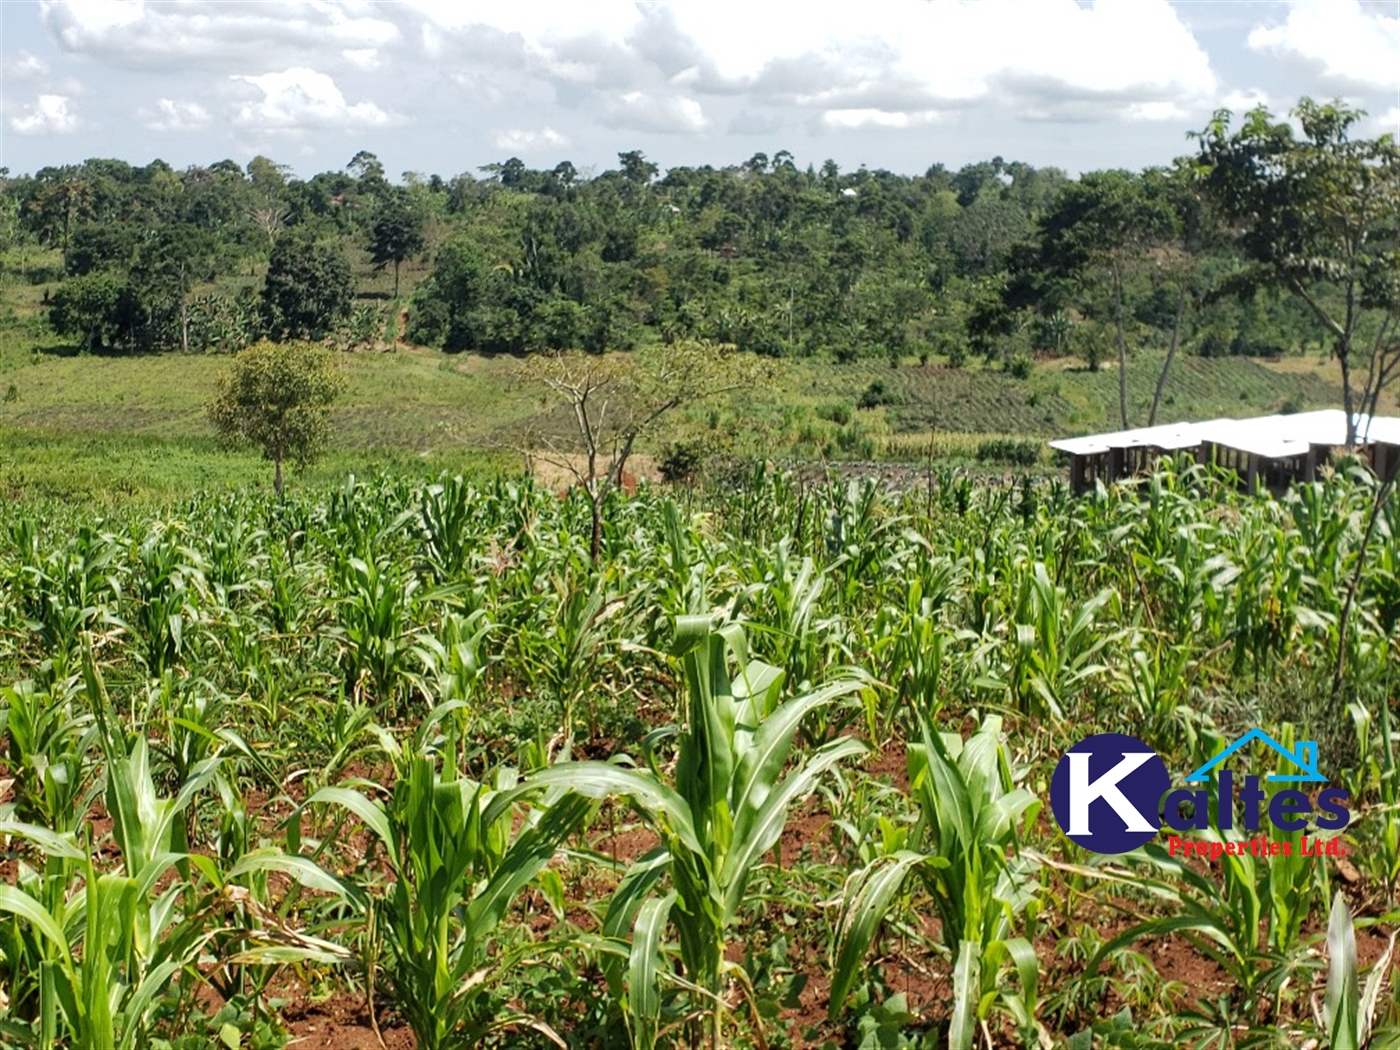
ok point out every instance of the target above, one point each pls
(80, 424)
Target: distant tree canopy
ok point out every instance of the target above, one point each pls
(1318, 216)
(308, 289)
(1232, 251)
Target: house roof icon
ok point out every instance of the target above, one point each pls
(1305, 758)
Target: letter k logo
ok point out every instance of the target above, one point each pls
(1085, 787)
(1083, 792)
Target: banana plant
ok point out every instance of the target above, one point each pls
(970, 810)
(724, 811)
(457, 866)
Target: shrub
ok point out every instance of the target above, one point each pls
(1019, 452)
(837, 412)
(875, 395)
(681, 461)
(1019, 367)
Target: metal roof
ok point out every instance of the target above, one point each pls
(1273, 437)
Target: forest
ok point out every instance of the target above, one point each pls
(998, 259)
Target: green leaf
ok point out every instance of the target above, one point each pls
(644, 969)
(967, 973)
(601, 779)
(372, 813)
(26, 907)
(875, 888)
(1340, 1006)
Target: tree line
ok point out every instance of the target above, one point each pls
(1274, 236)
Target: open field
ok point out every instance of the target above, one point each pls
(76, 422)
(394, 761)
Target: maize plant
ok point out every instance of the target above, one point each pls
(726, 810)
(970, 813)
(457, 865)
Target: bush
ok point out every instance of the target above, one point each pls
(875, 395)
(854, 440)
(681, 461)
(837, 412)
(1019, 367)
(1216, 342)
(1017, 452)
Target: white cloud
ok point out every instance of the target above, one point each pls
(649, 66)
(300, 99)
(50, 115)
(362, 57)
(1039, 60)
(25, 66)
(665, 114)
(1387, 122)
(203, 34)
(1350, 45)
(1243, 100)
(170, 115)
(853, 119)
(521, 141)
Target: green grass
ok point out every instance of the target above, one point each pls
(1059, 400)
(123, 468)
(73, 423)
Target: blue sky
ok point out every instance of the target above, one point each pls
(444, 87)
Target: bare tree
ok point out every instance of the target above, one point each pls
(615, 401)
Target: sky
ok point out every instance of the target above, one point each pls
(445, 86)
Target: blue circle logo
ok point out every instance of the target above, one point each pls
(1106, 793)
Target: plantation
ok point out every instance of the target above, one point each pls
(398, 761)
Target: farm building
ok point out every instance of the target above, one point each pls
(1271, 451)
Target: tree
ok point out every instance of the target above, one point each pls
(1108, 222)
(397, 233)
(97, 308)
(276, 397)
(617, 400)
(1319, 216)
(308, 289)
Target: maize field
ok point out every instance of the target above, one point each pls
(397, 764)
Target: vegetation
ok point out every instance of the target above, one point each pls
(275, 396)
(998, 260)
(768, 772)
(758, 761)
(1320, 217)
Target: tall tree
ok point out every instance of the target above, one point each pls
(308, 289)
(620, 399)
(1319, 216)
(397, 233)
(1106, 223)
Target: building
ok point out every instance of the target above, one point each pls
(1268, 451)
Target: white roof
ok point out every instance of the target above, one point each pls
(1273, 437)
